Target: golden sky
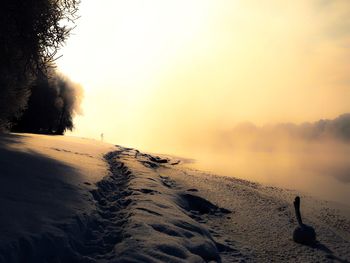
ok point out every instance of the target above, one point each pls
(158, 74)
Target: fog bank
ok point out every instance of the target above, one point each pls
(310, 157)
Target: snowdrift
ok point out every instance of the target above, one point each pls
(76, 200)
(66, 199)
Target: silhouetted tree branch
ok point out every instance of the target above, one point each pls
(31, 33)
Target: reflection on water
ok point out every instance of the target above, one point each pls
(319, 168)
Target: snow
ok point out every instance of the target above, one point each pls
(44, 182)
(159, 228)
(66, 199)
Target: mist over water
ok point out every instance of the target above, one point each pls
(312, 158)
(177, 86)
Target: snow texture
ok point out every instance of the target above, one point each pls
(68, 199)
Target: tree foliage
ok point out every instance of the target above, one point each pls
(31, 33)
(51, 106)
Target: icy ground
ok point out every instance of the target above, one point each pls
(67, 199)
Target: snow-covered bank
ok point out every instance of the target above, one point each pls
(67, 199)
(64, 203)
(44, 192)
(162, 225)
(263, 219)
(252, 222)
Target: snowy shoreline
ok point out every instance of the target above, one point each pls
(135, 207)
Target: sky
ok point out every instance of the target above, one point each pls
(160, 75)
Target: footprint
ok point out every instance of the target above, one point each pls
(167, 182)
(147, 191)
(157, 159)
(201, 205)
(149, 164)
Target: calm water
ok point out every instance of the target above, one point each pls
(320, 169)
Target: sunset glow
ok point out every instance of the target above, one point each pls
(176, 69)
(175, 131)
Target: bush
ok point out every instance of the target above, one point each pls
(52, 104)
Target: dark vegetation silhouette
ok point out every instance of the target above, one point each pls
(338, 128)
(31, 33)
(52, 104)
(302, 234)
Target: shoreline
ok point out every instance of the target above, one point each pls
(148, 208)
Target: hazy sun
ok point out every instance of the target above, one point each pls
(175, 69)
